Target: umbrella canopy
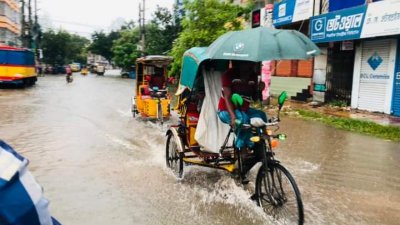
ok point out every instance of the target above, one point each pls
(261, 44)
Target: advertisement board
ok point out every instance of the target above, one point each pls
(373, 20)
(289, 11)
(382, 19)
(342, 25)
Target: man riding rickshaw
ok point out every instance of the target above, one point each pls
(152, 100)
(219, 129)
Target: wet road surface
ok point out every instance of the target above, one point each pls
(99, 166)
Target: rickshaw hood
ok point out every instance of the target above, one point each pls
(191, 62)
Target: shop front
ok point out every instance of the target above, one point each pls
(361, 55)
(374, 75)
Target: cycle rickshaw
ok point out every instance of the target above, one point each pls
(152, 100)
(275, 189)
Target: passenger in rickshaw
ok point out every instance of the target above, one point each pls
(157, 80)
(240, 79)
(156, 84)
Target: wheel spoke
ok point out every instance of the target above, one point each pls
(281, 198)
(173, 157)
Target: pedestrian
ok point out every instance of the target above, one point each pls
(21, 197)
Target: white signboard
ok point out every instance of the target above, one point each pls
(303, 10)
(382, 18)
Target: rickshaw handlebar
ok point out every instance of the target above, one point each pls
(258, 122)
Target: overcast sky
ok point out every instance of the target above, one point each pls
(85, 16)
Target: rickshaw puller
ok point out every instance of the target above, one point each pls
(240, 79)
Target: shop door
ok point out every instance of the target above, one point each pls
(396, 86)
(339, 77)
(374, 77)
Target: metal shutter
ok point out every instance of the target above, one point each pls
(372, 93)
(396, 86)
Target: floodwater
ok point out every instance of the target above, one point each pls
(100, 166)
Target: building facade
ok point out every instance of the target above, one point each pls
(10, 22)
(361, 40)
(360, 43)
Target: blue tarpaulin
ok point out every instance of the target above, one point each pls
(21, 197)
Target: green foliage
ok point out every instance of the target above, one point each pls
(161, 32)
(102, 43)
(338, 103)
(125, 48)
(360, 126)
(204, 22)
(60, 47)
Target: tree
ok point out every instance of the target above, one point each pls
(161, 32)
(102, 43)
(77, 49)
(205, 21)
(60, 47)
(125, 48)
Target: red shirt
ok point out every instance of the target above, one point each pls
(157, 81)
(231, 78)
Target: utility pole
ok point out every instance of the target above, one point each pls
(36, 38)
(30, 43)
(23, 25)
(142, 27)
(36, 31)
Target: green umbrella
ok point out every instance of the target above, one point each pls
(261, 44)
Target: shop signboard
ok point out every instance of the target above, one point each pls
(289, 11)
(342, 25)
(373, 20)
(382, 19)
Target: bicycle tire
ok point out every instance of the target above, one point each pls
(174, 159)
(275, 189)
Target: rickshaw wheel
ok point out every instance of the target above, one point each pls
(278, 195)
(174, 159)
(160, 117)
(134, 111)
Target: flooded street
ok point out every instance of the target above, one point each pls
(100, 166)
